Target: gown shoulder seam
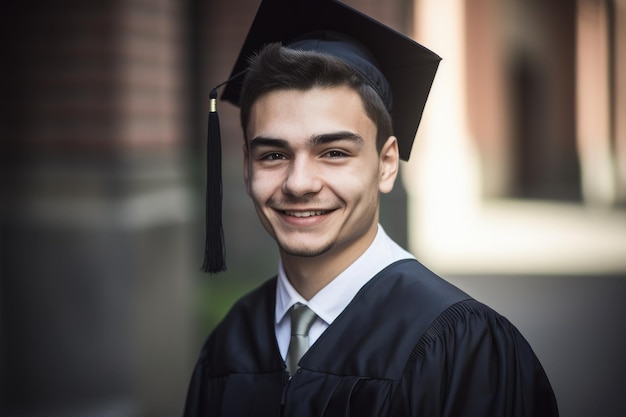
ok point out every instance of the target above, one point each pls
(439, 327)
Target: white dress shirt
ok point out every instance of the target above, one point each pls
(331, 300)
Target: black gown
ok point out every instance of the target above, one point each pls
(408, 344)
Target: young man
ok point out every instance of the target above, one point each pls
(378, 333)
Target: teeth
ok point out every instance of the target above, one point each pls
(305, 213)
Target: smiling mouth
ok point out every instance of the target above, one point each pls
(306, 213)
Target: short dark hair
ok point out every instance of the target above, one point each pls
(278, 68)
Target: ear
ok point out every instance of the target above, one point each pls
(389, 163)
(246, 167)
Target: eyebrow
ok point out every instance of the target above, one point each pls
(326, 138)
(270, 142)
(315, 140)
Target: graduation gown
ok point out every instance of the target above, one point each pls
(408, 344)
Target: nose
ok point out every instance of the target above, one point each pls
(302, 178)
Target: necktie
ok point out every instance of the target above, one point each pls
(302, 319)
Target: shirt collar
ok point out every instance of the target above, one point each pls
(331, 300)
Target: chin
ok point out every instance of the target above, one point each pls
(304, 252)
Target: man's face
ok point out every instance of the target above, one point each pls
(313, 172)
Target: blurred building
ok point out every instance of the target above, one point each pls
(97, 209)
(515, 190)
(522, 153)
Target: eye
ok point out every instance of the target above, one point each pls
(335, 154)
(273, 156)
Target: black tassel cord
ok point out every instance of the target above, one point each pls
(214, 251)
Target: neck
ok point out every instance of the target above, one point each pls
(309, 275)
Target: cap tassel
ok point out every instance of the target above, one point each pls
(214, 251)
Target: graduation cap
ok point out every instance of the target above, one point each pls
(398, 68)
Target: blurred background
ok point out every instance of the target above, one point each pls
(515, 191)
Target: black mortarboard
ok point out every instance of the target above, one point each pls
(407, 69)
